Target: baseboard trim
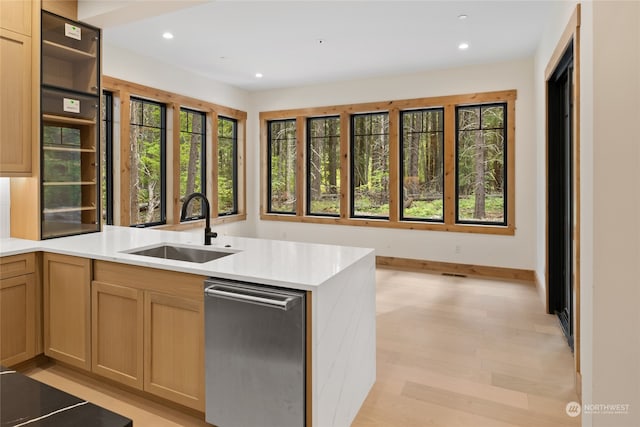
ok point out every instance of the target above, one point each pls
(457, 269)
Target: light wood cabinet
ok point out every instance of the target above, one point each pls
(15, 15)
(18, 309)
(15, 103)
(163, 310)
(174, 348)
(67, 309)
(117, 327)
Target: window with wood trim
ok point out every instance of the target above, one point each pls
(445, 163)
(481, 164)
(227, 166)
(106, 157)
(147, 138)
(370, 165)
(193, 126)
(422, 164)
(323, 166)
(282, 155)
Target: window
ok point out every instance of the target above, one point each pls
(106, 157)
(227, 166)
(192, 154)
(422, 148)
(370, 165)
(281, 152)
(147, 175)
(480, 164)
(444, 163)
(323, 166)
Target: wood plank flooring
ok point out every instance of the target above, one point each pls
(451, 352)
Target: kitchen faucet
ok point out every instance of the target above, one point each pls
(207, 229)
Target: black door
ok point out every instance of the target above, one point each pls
(560, 193)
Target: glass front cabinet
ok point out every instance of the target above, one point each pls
(70, 126)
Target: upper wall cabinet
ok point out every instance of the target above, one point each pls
(70, 103)
(15, 15)
(70, 55)
(16, 87)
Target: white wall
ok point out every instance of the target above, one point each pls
(556, 23)
(613, 294)
(505, 251)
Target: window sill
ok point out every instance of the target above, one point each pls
(503, 230)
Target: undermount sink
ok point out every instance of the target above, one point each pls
(181, 253)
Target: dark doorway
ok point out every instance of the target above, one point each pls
(560, 209)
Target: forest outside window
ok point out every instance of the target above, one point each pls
(281, 150)
(370, 165)
(227, 166)
(480, 164)
(147, 175)
(422, 164)
(323, 166)
(192, 155)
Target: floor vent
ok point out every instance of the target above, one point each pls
(454, 275)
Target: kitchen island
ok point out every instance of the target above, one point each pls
(340, 282)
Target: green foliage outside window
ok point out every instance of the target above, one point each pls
(370, 160)
(283, 162)
(192, 142)
(481, 159)
(227, 165)
(146, 138)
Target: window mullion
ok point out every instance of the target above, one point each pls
(449, 164)
(345, 175)
(300, 165)
(175, 186)
(125, 159)
(394, 163)
(215, 167)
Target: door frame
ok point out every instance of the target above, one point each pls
(571, 35)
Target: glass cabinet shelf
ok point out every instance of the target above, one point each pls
(70, 113)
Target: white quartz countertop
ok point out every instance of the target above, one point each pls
(271, 262)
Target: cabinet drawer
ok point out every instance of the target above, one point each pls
(16, 265)
(66, 104)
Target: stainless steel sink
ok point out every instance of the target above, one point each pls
(181, 253)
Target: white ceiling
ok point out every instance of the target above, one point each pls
(230, 41)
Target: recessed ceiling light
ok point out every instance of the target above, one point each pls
(167, 35)
(258, 75)
(321, 41)
(463, 46)
(462, 16)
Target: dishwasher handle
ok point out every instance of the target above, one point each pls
(273, 300)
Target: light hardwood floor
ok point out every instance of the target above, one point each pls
(452, 352)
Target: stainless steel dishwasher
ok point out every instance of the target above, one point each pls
(254, 355)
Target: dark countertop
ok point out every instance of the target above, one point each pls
(25, 401)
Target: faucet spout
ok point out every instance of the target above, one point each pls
(208, 234)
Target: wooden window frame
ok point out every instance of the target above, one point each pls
(448, 104)
(124, 90)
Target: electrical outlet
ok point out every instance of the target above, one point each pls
(457, 250)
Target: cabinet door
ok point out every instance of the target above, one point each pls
(116, 337)
(15, 104)
(15, 15)
(67, 308)
(174, 349)
(17, 319)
